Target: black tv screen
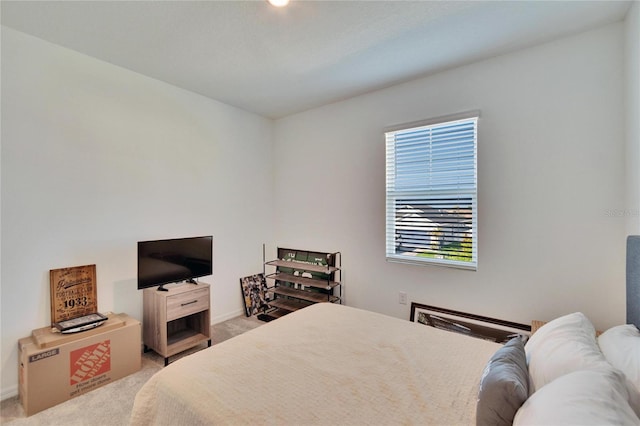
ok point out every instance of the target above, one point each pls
(175, 260)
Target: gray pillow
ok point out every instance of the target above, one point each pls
(504, 385)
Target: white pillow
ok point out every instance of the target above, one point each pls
(562, 346)
(621, 347)
(585, 397)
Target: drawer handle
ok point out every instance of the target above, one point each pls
(189, 303)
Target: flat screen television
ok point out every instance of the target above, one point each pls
(175, 260)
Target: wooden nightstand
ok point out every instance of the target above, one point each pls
(535, 325)
(177, 319)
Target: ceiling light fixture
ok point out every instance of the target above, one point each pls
(278, 3)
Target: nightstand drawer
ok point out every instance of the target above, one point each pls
(188, 303)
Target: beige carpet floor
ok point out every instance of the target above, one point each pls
(111, 405)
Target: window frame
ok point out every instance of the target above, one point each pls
(392, 194)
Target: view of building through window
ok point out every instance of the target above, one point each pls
(434, 231)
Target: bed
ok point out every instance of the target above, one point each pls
(332, 364)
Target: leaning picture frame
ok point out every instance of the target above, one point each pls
(486, 328)
(254, 294)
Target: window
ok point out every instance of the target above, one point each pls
(431, 215)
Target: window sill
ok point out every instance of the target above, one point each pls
(431, 262)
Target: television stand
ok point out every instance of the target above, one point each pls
(161, 288)
(176, 319)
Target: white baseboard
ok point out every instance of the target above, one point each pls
(12, 391)
(227, 316)
(9, 392)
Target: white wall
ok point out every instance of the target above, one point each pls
(95, 158)
(551, 169)
(632, 109)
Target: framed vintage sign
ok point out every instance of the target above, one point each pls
(73, 292)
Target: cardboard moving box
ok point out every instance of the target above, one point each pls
(55, 367)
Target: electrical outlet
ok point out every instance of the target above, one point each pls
(402, 298)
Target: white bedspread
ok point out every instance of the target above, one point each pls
(326, 364)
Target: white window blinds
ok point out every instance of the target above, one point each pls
(431, 214)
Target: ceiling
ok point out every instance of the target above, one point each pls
(276, 62)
